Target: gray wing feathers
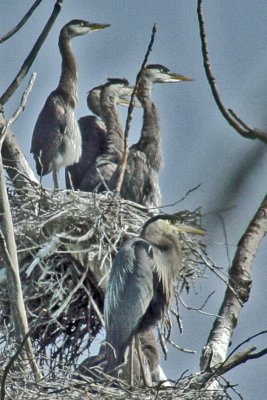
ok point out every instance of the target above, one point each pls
(131, 279)
(49, 130)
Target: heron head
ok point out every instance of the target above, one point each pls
(118, 89)
(169, 223)
(93, 100)
(78, 27)
(120, 85)
(157, 73)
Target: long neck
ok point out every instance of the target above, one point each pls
(109, 114)
(150, 141)
(69, 75)
(168, 254)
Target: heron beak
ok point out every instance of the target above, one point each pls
(178, 78)
(123, 101)
(181, 228)
(96, 26)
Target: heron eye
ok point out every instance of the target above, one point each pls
(82, 24)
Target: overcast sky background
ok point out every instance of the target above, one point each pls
(199, 146)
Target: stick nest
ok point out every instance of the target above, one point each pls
(66, 242)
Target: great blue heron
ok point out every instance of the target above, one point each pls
(142, 280)
(56, 140)
(145, 157)
(93, 132)
(96, 140)
(98, 177)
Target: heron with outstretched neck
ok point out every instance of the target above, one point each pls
(56, 140)
(142, 281)
(98, 177)
(140, 182)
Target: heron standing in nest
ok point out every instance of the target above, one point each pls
(142, 281)
(96, 139)
(56, 140)
(98, 177)
(140, 182)
(93, 132)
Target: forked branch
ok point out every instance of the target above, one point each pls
(237, 292)
(231, 117)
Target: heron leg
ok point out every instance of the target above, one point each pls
(56, 178)
(131, 382)
(147, 381)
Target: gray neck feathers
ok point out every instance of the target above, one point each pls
(69, 76)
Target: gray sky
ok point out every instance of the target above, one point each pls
(199, 146)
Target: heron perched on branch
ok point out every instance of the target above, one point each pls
(140, 182)
(98, 177)
(142, 281)
(56, 140)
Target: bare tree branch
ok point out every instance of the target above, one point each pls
(21, 23)
(9, 251)
(19, 110)
(231, 117)
(18, 163)
(32, 55)
(119, 173)
(219, 339)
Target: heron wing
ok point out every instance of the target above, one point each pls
(48, 133)
(129, 292)
(141, 180)
(93, 145)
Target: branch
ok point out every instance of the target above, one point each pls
(219, 339)
(21, 23)
(231, 117)
(19, 110)
(119, 173)
(32, 55)
(16, 164)
(9, 250)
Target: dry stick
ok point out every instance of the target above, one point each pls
(122, 165)
(242, 128)
(32, 55)
(21, 23)
(214, 353)
(9, 249)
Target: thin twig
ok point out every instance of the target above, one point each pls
(245, 341)
(32, 55)
(21, 22)
(123, 163)
(182, 199)
(231, 117)
(20, 108)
